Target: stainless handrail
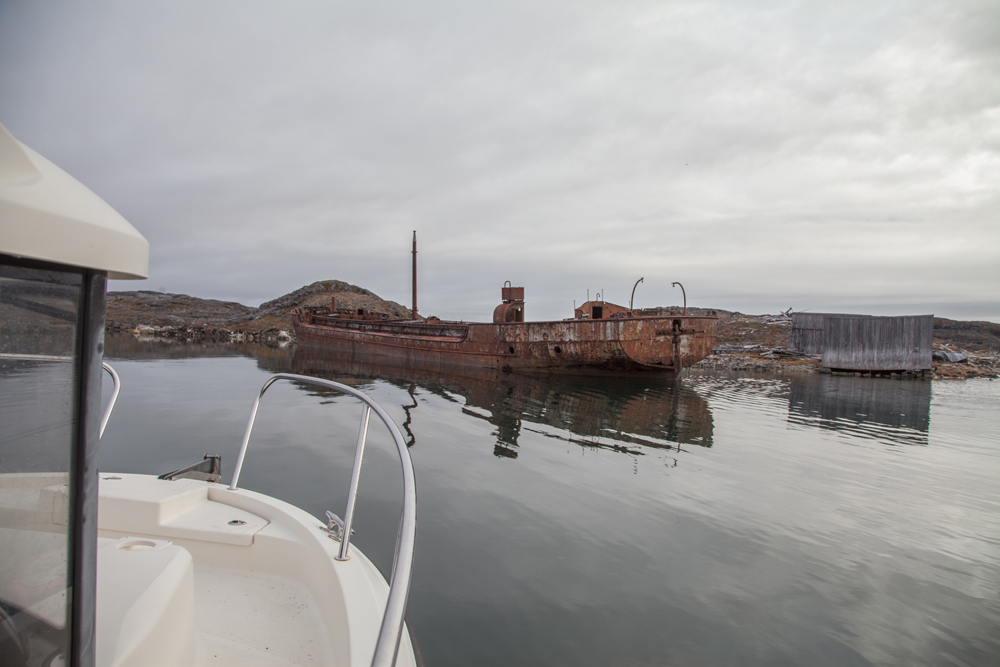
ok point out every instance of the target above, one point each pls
(402, 566)
(114, 397)
(352, 495)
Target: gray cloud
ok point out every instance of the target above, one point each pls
(767, 154)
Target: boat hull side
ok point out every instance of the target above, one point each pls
(689, 339)
(615, 346)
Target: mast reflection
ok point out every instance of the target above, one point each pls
(617, 414)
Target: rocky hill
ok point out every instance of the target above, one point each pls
(979, 337)
(182, 316)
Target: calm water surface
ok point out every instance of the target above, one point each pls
(803, 520)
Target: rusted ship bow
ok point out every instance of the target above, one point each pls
(601, 338)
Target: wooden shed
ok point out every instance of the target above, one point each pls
(878, 344)
(807, 331)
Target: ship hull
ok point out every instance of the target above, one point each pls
(616, 346)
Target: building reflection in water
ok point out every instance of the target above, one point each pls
(887, 409)
(617, 414)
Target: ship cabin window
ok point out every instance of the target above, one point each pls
(48, 320)
(597, 312)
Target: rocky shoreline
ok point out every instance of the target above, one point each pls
(760, 344)
(747, 362)
(745, 343)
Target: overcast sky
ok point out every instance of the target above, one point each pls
(832, 156)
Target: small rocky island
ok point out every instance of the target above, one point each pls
(749, 343)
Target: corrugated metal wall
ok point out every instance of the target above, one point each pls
(864, 343)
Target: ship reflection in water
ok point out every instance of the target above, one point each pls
(894, 411)
(615, 414)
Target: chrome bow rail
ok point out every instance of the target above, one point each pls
(402, 565)
(114, 397)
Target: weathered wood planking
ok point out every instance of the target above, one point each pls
(807, 331)
(865, 343)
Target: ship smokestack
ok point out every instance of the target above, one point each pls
(414, 274)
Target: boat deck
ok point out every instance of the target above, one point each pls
(415, 329)
(250, 618)
(192, 573)
(227, 578)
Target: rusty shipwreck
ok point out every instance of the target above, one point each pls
(601, 338)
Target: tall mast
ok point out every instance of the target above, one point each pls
(414, 274)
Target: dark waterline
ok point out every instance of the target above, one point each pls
(570, 521)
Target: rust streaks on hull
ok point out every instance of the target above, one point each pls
(622, 345)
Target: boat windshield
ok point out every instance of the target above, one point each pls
(39, 370)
